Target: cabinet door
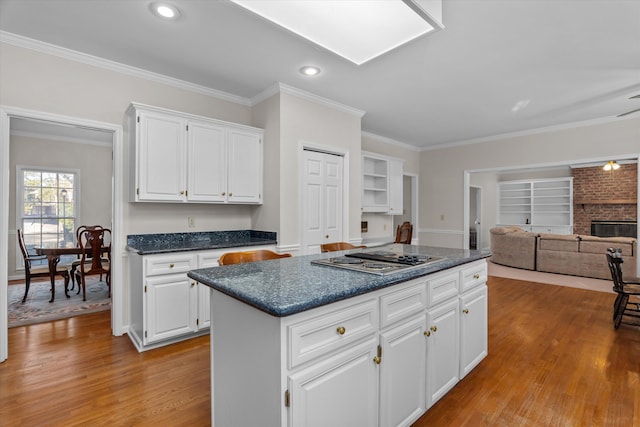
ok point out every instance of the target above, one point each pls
(207, 164)
(161, 157)
(473, 329)
(244, 183)
(170, 307)
(204, 307)
(402, 373)
(442, 350)
(340, 391)
(395, 187)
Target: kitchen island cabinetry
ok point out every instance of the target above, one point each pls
(178, 157)
(378, 358)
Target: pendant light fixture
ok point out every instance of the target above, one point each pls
(611, 166)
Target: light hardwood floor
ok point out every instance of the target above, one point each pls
(554, 360)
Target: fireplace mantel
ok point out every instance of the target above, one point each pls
(606, 202)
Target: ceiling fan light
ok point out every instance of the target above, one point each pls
(611, 165)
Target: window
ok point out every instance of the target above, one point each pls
(46, 207)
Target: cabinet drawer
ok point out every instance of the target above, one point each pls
(442, 288)
(169, 264)
(402, 303)
(473, 276)
(330, 331)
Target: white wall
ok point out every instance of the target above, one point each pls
(442, 170)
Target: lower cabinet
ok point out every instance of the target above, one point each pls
(167, 306)
(337, 391)
(473, 329)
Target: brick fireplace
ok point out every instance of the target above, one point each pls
(600, 195)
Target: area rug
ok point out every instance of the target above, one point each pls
(38, 309)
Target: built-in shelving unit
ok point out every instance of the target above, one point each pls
(542, 205)
(381, 184)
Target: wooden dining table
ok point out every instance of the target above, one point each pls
(53, 258)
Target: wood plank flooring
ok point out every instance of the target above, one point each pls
(554, 360)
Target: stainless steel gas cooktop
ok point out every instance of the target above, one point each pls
(380, 262)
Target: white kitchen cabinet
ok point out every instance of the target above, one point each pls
(338, 391)
(179, 157)
(473, 329)
(166, 305)
(443, 339)
(403, 379)
(170, 307)
(382, 184)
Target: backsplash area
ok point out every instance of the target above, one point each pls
(600, 195)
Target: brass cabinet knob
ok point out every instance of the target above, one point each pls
(377, 360)
(427, 333)
(465, 311)
(182, 193)
(230, 194)
(223, 193)
(193, 284)
(170, 265)
(326, 236)
(341, 330)
(476, 276)
(434, 328)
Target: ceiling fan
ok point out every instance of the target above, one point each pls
(632, 111)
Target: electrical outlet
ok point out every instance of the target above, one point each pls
(441, 217)
(191, 221)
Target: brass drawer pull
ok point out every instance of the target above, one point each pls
(171, 265)
(434, 328)
(465, 311)
(341, 330)
(476, 276)
(427, 333)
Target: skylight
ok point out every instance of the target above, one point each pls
(358, 30)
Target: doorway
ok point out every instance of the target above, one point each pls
(409, 206)
(475, 217)
(11, 118)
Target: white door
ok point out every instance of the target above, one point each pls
(161, 163)
(322, 199)
(207, 163)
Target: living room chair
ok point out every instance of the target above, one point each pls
(31, 272)
(626, 288)
(249, 256)
(404, 232)
(93, 244)
(338, 246)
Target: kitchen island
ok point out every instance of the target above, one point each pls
(297, 344)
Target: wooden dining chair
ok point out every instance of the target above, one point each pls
(31, 272)
(93, 244)
(75, 264)
(338, 246)
(404, 232)
(249, 256)
(624, 310)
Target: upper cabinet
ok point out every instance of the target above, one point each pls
(381, 184)
(178, 157)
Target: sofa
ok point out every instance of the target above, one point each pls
(572, 254)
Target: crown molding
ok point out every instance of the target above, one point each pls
(284, 88)
(390, 141)
(565, 126)
(36, 45)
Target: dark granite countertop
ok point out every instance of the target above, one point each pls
(146, 244)
(287, 286)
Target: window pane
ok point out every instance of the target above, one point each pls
(32, 178)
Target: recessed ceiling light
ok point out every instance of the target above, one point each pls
(165, 11)
(310, 70)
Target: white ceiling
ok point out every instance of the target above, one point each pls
(568, 60)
